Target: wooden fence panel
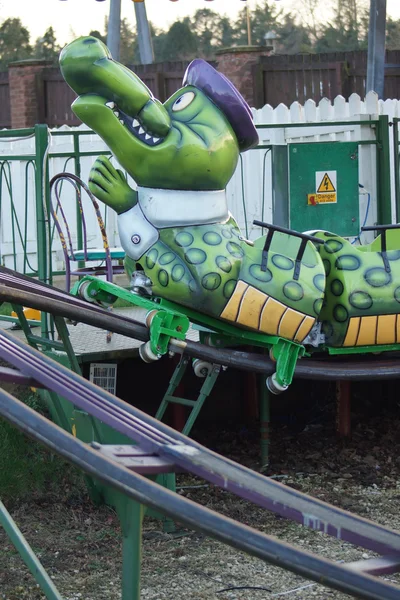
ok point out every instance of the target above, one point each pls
(55, 99)
(5, 108)
(289, 78)
(299, 82)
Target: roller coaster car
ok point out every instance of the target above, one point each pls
(362, 294)
(185, 254)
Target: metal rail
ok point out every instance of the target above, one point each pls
(156, 437)
(338, 576)
(29, 292)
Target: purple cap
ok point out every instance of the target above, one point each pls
(223, 93)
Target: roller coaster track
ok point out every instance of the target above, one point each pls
(29, 292)
(160, 440)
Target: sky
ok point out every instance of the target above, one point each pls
(72, 18)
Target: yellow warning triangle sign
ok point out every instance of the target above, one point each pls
(326, 185)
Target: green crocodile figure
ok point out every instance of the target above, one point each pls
(176, 229)
(362, 298)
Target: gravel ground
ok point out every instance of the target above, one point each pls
(80, 545)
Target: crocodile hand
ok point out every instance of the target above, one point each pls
(109, 185)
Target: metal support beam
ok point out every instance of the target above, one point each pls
(144, 36)
(27, 555)
(376, 47)
(114, 26)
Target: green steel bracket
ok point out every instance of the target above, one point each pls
(164, 323)
(362, 349)
(170, 320)
(195, 405)
(286, 355)
(383, 169)
(28, 556)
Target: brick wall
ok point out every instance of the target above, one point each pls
(24, 92)
(236, 64)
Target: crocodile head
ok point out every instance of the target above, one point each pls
(191, 142)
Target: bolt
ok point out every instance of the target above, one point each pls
(135, 239)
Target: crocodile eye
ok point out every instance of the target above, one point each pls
(183, 101)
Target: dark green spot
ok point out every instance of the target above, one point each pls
(317, 306)
(327, 266)
(377, 277)
(224, 264)
(392, 254)
(293, 291)
(195, 256)
(163, 277)
(166, 258)
(236, 231)
(328, 234)
(178, 272)
(151, 258)
(193, 285)
(282, 262)
(333, 246)
(348, 262)
(234, 249)
(226, 232)
(212, 238)
(319, 282)
(361, 300)
(184, 239)
(211, 281)
(340, 313)
(337, 287)
(397, 294)
(327, 328)
(264, 276)
(228, 288)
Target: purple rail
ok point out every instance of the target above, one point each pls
(337, 576)
(28, 292)
(158, 438)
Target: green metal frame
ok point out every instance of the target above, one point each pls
(172, 321)
(28, 556)
(195, 405)
(396, 146)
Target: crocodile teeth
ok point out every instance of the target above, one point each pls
(135, 123)
(147, 136)
(116, 113)
(156, 139)
(110, 104)
(141, 130)
(122, 121)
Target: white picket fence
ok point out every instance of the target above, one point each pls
(250, 193)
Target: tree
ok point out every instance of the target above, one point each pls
(392, 34)
(263, 18)
(212, 31)
(14, 42)
(292, 37)
(128, 44)
(348, 28)
(180, 42)
(47, 47)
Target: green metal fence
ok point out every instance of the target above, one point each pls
(33, 207)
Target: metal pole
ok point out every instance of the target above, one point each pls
(27, 555)
(114, 28)
(248, 24)
(376, 47)
(144, 36)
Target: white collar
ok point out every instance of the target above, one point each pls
(177, 208)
